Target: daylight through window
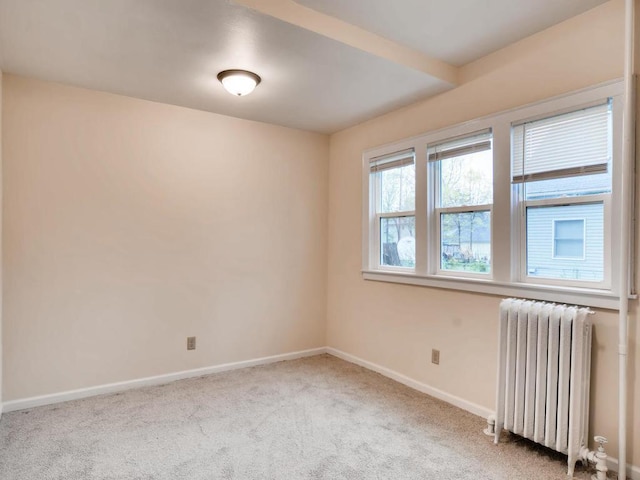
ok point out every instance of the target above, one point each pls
(521, 203)
(562, 170)
(393, 179)
(463, 174)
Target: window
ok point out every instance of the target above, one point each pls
(562, 169)
(568, 239)
(463, 173)
(393, 179)
(521, 203)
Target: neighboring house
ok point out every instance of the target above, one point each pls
(567, 241)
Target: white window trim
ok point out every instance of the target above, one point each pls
(371, 217)
(584, 239)
(506, 225)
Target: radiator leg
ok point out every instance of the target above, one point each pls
(571, 465)
(491, 426)
(498, 430)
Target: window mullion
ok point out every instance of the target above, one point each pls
(421, 209)
(501, 233)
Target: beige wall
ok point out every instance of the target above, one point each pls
(130, 225)
(396, 326)
(1, 322)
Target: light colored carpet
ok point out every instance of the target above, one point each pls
(314, 418)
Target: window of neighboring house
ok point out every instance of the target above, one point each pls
(562, 169)
(462, 170)
(393, 180)
(525, 203)
(568, 239)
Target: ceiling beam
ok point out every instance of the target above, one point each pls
(291, 12)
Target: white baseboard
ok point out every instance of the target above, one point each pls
(415, 384)
(31, 402)
(23, 403)
(633, 472)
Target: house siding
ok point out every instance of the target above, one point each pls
(540, 260)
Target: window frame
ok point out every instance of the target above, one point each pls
(436, 211)
(518, 197)
(507, 257)
(372, 226)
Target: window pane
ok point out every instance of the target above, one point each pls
(569, 187)
(575, 250)
(466, 180)
(568, 239)
(397, 241)
(397, 189)
(465, 241)
(569, 249)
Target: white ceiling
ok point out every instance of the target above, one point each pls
(171, 51)
(456, 31)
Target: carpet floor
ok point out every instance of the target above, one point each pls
(313, 418)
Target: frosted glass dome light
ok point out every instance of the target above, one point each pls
(238, 82)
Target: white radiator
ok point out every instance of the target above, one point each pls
(544, 365)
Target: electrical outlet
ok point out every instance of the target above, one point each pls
(191, 343)
(435, 356)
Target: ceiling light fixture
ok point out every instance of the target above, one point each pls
(238, 82)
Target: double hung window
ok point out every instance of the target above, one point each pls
(463, 189)
(562, 177)
(393, 181)
(521, 203)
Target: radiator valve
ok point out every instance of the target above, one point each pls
(598, 457)
(601, 459)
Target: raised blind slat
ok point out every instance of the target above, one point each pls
(478, 142)
(395, 160)
(577, 142)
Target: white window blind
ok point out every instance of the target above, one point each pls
(462, 146)
(396, 160)
(571, 144)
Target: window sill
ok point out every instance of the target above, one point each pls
(576, 296)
